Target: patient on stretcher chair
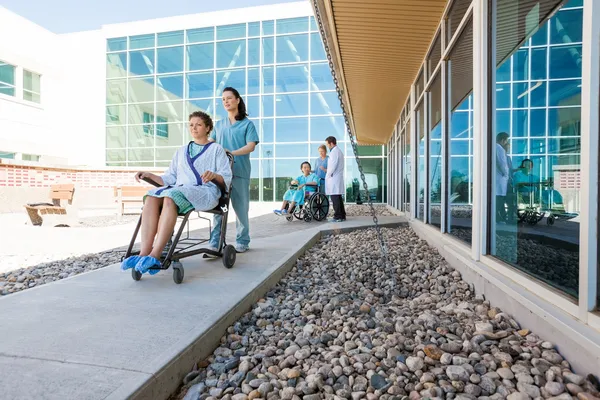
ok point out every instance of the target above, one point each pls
(300, 188)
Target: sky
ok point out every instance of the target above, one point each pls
(64, 16)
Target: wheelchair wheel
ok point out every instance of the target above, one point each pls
(319, 206)
(550, 220)
(289, 217)
(298, 212)
(307, 217)
(135, 274)
(177, 272)
(229, 255)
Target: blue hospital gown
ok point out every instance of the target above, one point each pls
(296, 195)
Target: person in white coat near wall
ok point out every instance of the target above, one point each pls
(334, 180)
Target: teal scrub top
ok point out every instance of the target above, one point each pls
(234, 137)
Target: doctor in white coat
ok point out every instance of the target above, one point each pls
(334, 180)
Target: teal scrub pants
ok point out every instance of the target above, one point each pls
(240, 201)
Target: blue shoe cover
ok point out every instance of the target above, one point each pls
(147, 262)
(129, 262)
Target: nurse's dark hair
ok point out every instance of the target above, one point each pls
(241, 107)
(331, 139)
(306, 162)
(204, 117)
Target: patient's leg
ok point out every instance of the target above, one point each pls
(166, 226)
(150, 215)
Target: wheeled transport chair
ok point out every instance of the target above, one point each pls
(316, 207)
(179, 248)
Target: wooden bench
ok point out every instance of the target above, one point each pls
(57, 193)
(129, 194)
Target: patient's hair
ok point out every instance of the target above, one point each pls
(306, 162)
(204, 117)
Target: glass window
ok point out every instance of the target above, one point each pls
(254, 180)
(201, 35)
(116, 91)
(141, 136)
(206, 105)
(292, 129)
(115, 136)
(253, 80)
(291, 104)
(268, 106)
(535, 192)
(116, 157)
(7, 79)
(168, 135)
(141, 62)
(268, 79)
(169, 87)
(286, 170)
(325, 103)
(170, 111)
(116, 65)
(170, 38)
(455, 15)
(292, 25)
(136, 155)
(231, 31)
(116, 115)
(373, 170)
(406, 167)
(292, 150)
(435, 55)
(234, 78)
(253, 51)
(321, 78)
(31, 86)
(169, 60)
(141, 41)
(253, 105)
(313, 24)
(116, 44)
(165, 153)
(268, 130)
(503, 72)
(141, 89)
(268, 27)
(253, 30)
(200, 56)
(292, 48)
(292, 78)
(520, 94)
(421, 162)
(317, 49)
(200, 84)
(322, 127)
(231, 54)
(268, 50)
(141, 113)
(435, 152)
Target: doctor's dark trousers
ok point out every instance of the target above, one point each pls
(338, 206)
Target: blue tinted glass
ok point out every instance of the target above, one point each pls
(169, 59)
(116, 67)
(564, 121)
(202, 105)
(292, 48)
(219, 110)
(231, 31)
(253, 80)
(169, 87)
(565, 62)
(141, 62)
(291, 129)
(325, 103)
(519, 146)
(313, 24)
(459, 147)
(502, 121)
(254, 29)
(538, 122)
(292, 25)
(520, 65)
(201, 35)
(141, 89)
(231, 54)
(503, 95)
(141, 41)
(321, 77)
(200, 85)
(292, 78)
(253, 51)
(253, 105)
(459, 125)
(538, 94)
(322, 127)
(520, 95)
(268, 27)
(170, 38)
(567, 27)
(116, 44)
(268, 130)
(541, 36)
(574, 3)
(538, 63)
(291, 105)
(519, 123)
(268, 51)
(268, 106)
(503, 72)
(537, 146)
(563, 93)
(268, 79)
(291, 150)
(200, 56)
(317, 50)
(233, 78)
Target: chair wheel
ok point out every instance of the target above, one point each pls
(229, 255)
(177, 272)
(289, 217)
(307, 217)
(135, 274)
(550, 220)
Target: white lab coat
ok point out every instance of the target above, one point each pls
(502, 171)
(334, 180)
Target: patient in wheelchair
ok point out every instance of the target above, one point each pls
(191, 183)
(301, 187)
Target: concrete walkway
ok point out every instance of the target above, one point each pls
(100, 335)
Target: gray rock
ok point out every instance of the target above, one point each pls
(414, 363)
(195, 391)
(457, 373)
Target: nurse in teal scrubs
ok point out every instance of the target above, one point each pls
(236, 134)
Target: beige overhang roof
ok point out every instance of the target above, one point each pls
(377, 46)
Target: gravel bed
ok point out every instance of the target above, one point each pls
(329, 330)
(40, 274)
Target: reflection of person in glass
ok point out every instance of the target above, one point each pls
(502, 175)
(526, 182)
(321, 167)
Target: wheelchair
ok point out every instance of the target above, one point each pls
(317, 207)
(180, 247)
